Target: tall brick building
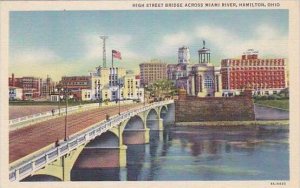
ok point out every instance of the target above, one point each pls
(152, 71)
(263, 76)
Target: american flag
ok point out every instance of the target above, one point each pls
(116, 54)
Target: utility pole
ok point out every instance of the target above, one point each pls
(104, 50)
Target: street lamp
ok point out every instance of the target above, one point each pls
(99, 93)
(145, 86)
(67, 95)
(59, 90)
(120, 85)
(64, 94)
(138, 93)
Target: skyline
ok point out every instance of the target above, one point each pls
(46, 40)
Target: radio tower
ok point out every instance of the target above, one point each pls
(104, 50)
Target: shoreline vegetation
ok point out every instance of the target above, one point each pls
(235, 123)
(279, 104)
(279, 101)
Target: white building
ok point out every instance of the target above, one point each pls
(184, 55)
(15, 93)
(105, 83)
(86, 94)
(132, 88)
(204, 79)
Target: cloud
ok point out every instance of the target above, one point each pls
(227, 43)
(33, 55)
(93, 46)
(170, 43)
(266, 39)
(39, 62)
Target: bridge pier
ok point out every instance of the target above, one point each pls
(61, 168)
(122, 156)
(138, 136)
(156, 124)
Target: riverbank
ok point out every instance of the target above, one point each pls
(235, 123)
(282, 104)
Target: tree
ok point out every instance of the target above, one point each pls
(162, 88)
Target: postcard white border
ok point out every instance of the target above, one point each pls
(6, 7)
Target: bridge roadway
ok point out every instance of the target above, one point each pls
(42, 134)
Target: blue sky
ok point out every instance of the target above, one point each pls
(67, 42)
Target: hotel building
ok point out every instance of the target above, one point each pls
(264, 76)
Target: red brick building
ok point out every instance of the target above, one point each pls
(31, 86)
(76, 84)
(263, 76)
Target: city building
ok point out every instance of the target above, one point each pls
(264, 76)
(152, 71)
(132, 88)
(204, 79)
(75, 83)
(86, 95)
(178, 73)
(105, 83)
(48, 87)
(184, 55)
(31, 86)
(15, 93)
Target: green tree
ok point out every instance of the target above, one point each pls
(161, 88)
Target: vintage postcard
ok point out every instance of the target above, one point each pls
(150, 93)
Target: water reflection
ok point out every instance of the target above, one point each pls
(135, 160)
(206, 153)
(95, 174)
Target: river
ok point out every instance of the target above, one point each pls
(203, 154)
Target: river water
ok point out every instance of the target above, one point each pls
(203, 154)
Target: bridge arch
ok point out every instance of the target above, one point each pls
(152, 114)
(41, 177)
(106, 140)
(104, 151)
(135, 131)
(163, 110)
(136, 122)
(153, 120)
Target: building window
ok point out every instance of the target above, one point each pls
(208, 82)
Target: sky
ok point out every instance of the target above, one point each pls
(58, 43)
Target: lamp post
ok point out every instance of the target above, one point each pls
(138, 93)
(120, 85)
(64, 93)
(145, 86)
(59, 90)
(67, 94)
(80, 97)
(99, 93)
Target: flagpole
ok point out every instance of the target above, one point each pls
(112, 59)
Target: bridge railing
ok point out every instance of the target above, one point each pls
(40, 115)
(24, 169)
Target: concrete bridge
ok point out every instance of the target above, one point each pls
(104, 142)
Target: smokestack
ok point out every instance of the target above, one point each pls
(13, 79)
